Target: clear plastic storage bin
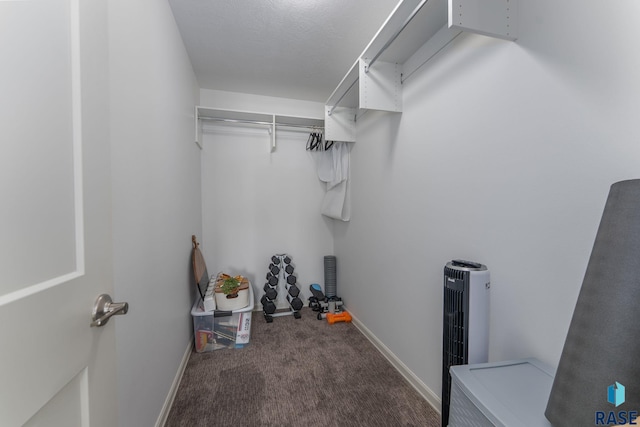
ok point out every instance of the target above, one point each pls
(215, 330)
(503, 394)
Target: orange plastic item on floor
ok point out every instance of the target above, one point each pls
(338, 317)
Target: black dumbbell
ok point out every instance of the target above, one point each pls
(293, 291)
(274, 269)
(270, 292)
(267, 305)
(292, 280)
(287, 259)
(295, 302)
(275, 260)
(273, 280)
(288, 269)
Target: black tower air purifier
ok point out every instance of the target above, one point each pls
(465, 321)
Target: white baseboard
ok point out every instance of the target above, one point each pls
(164, 413)
(412, 378)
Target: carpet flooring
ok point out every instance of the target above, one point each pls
(298, 372)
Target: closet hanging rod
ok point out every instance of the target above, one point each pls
(333, 107)
(378, 53)
(251, 122)
(258, 122)
(395, 35)
(285, 125)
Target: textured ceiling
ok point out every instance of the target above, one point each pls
(297, 49)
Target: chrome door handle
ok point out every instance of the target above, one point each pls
(104, 308)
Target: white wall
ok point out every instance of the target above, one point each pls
(255, 203)
(261, 104)
(156, 201)
(504, 155)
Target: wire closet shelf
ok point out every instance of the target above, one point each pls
(269, 120)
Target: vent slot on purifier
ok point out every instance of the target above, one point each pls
(456, 305)
(465, 321)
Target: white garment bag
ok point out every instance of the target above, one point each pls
(333, 169)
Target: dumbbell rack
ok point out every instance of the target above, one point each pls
(281, 276)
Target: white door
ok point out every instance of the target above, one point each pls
(55, 244)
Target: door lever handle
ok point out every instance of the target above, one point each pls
(104, 308)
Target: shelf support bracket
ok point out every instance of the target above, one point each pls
(380, 87)
(340, 125)
(198, 128)
(494, 18)
(272, 133)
